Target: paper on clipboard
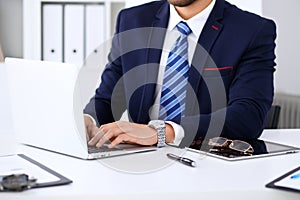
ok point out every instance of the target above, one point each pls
(290, 181)
(18, 164)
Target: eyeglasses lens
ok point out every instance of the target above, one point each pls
(218, 141)
(240, 146)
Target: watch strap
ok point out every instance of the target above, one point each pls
(160, 127)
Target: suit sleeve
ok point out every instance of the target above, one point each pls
(250, 95)
(109, 99)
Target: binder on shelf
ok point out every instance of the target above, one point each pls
(52, 32)
(74, 34)
(95, 28)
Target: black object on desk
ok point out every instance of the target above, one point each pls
(183, 160)
(16, 183)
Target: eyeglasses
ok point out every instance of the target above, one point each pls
(219, 143)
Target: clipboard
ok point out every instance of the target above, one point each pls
(56, 180)
(285, 182)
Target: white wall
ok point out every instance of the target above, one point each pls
(130, 3)
(286, 15)
(11, 27)
(254, 6)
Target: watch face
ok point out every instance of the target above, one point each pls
(157, 123)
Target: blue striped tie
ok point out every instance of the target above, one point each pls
(172, 103)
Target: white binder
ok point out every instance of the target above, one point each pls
(74, 34)
(95, 28)
(52, 32)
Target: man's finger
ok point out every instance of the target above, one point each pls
(118, 140)
(103, 140)
(114, 132)
(99, 134)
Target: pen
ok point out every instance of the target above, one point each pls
(183, 160)
(295, 176)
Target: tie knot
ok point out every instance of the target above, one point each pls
(183, 28)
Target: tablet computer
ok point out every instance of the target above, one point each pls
(260, 149)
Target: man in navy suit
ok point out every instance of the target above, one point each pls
(230, 79)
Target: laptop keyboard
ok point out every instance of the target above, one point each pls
(104, 148)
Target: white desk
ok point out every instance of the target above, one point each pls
(211, 179)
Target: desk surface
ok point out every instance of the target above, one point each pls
(211, 179)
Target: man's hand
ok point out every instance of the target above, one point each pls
(90, 127)
(122, 131)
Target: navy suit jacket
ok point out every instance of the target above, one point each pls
(230, 86)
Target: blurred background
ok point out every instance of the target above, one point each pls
(34, 29)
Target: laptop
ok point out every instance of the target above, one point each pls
(261, 148)
(7, 137)
(47, 111)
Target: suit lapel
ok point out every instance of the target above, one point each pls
(208, 36)
(154, 50)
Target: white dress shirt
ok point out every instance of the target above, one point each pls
(196, 24)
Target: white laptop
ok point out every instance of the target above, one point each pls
(47, 110)
(7, 137)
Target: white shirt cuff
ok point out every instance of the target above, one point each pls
(179, 133)
(94, 121)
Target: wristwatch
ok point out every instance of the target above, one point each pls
(160, 127)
